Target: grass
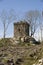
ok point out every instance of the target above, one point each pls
(5, 42)
(28, 60)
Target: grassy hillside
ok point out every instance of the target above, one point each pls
(22, 53)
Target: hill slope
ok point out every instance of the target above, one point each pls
(20, 54)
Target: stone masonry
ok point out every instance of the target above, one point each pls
(21, 29)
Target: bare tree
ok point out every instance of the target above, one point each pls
(32, 17)
(7, 18)
(41, 25)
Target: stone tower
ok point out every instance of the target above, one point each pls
(21, 29)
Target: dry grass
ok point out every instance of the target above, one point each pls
(28, 52)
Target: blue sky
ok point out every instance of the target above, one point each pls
(20, 7)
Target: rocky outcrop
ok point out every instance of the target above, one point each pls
(25, 39)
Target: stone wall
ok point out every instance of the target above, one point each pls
(21, 29)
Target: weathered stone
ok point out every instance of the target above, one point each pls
(22, 39)
(40, 62)
(17, 41)
(27, 39)
(21, 29)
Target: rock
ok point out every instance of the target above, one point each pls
(22, 39)
(27, 39)
(32, 40)
(34, 64)
(17, 41)
(41, 60)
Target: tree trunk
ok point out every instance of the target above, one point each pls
(41, 34)
(4, 31)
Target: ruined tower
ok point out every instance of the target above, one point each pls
(21, 29)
